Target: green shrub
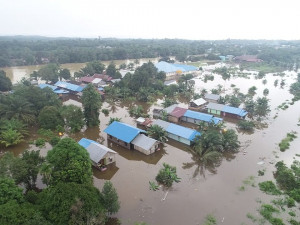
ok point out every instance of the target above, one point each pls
(269, 187)
(290, 202)
(167, 175)
(105, 112)
(53, 141)
(40, 142)
(291, 213)
(246, 125)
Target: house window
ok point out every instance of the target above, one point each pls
(125, 143)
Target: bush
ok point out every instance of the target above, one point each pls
(290, 202)
(105, 112)
(53, 141)
(40, 142)
(269, 187)
(246, 125)
(167, 175)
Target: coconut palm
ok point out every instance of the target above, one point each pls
(158, 133)
(15, 107)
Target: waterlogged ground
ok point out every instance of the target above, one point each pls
(229, 191)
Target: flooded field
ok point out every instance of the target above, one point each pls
(201, 191)
(15, 74)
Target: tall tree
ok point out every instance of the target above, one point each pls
(64, 74)
(158, 133)
(91, 101)
(50, 118)
(67, 162)
(49, 72)
(9, 191)
(5, 83)
(73, 116)
(110, 198)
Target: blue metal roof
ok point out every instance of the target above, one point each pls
(186, 68)
(123, 131)
(181, 131)
(101, 89)
(217, 120)
(84, 142)
(69, 86)
(235, 111)
(60, 91)
(48, 85)
(199, 116)
(171, 68)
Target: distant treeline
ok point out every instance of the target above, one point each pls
(26, 50)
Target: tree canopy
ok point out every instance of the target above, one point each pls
(5, 83)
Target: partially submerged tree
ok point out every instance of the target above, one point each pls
(73, 117)
(167, 175)
(50, 118)
(158, 133)
(91, 101)
(110, 198)
(5, 82)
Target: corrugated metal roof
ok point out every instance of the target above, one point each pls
(161, 123)
(170, 108)
(199, 116)
(86, 79)
(186, 68)
(171, 68)
(181, 131)
(215, 106)
(123, 131)
(144, 142)
(212, 97)
(48, 85)
(199, 101)
(178, 112)
(69, 86)
(95, 150)
(217, 120)
(60, 91)
(235, 111)
(96, 80)
(84, 142)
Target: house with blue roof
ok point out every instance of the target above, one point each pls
(100, 155)
(226, 111)
(73, 88)
(131, 137)
(54, 88)
(178, 133)
(172, 69)
(197, 117)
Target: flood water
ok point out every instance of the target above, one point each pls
(200, 191)
(15, 74)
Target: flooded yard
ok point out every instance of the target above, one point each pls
(201, 191)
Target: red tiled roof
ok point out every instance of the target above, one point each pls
(178, 112)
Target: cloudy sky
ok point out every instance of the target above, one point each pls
(188, 19)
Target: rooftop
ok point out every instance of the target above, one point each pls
(178, 112)
(144, 142)
(123, 131)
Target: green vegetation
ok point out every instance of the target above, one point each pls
(91, 102)
(246, 125)
(158, 133)
(153, 186)
(137, 111)
(40, 142)
(295, 89)
(105, 112)
(285, 143)
(73, 117)
(112, 119)
(267, 212)
(167, 175)
(5, 83)
(110, 198)
(269, 187)
(210, 220)
(50, 118)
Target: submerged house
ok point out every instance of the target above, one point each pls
(225, 110)
(72, 88)
(177, 132)
(60, 92)
(131, 137)
(176, 114)
(100, 155)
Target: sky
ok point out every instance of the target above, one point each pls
(184, 19)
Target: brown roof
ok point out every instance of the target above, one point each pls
(86, 79)
(178, 112)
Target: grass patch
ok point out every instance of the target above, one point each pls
(269, 188)
(294, 222)
(267, 212)
(262, 67)
(250, 181)
(292, 213)
(285, 143)
(210, 220)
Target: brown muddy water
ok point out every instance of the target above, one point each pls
(200, 192)
(15, 74)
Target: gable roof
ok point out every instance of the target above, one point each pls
(215, 106)
(235, 111)
(170, 108)
(144, 142)
(161, 123)
(212, 96)
(69, 86)
(199, 116)
(55, 89)
(178, 112)
(199, 101)
(123, 131)
(95, 150)
(181, 131)
(86, 79)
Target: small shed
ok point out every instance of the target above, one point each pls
(212, 97)
(145, 144)
(143, 121)
(100, 155)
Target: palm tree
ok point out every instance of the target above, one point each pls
(112, 119)
(15, 107)
(158, 133)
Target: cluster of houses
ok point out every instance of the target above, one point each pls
(67, 88)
